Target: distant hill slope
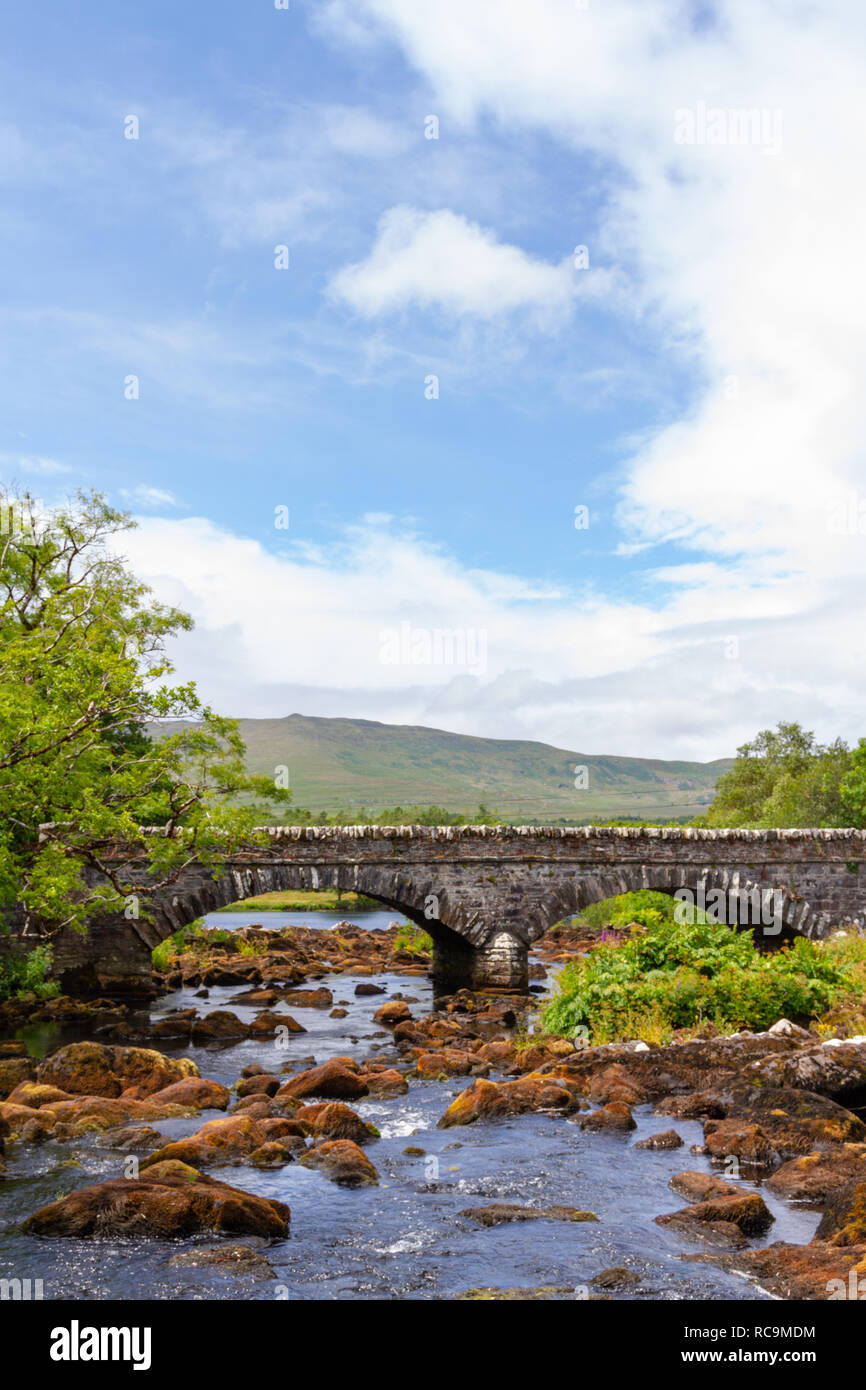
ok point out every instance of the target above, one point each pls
(343, 764)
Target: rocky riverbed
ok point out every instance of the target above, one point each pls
(295, 1116)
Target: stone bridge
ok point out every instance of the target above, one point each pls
(486, 893)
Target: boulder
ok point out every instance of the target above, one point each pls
(446, 1061)
(837, 1072)
(817, 1176)
(343, 1162)
(490, 1100)
(259, 1085)
(14, 1071)
(385, 1084)
(668, 1139)
(194, 1093)
(746, 1210)
(217, 1142)
(844, 1219)
(309, 999)
(333, 1080)
(97, 1069)
(392, 1013)
(167, 1201)
(616, 1116)
(219, 1026)
(701, 1187)
(333, 1120)
(725, 1139)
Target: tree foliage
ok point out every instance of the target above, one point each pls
(84, 677)
(785, 778)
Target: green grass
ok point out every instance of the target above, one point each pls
(343, 765)
(413, 939)
(304, 902)
(682, 975)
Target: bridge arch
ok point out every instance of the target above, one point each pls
(487, 893)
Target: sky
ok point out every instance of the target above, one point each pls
(496, 367)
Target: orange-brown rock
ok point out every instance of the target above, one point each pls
(333, 1120)
(725, 1139)
(96, 1069)
(615, 1115)
(668, 1139)
(309, 998)
(341, 1161)
(385, 1084)
(167, 1201)
(746, 1210)
(14, 1071)
(447, 1061)
(701, 1187)
(194, 1093)
(490, 1100)
(217, 1142)
(34, 1095)
(332, 1080)
(392, 1013)
(817, 1176)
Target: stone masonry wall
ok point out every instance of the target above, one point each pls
(483, 883)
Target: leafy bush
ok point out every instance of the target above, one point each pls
(680, 975)
(413, 939)
(27, 974)
(165, 954)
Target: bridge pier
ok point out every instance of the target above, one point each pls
(502, 963)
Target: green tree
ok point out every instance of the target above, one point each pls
(783, 778)
(83, 686)
(853, 788)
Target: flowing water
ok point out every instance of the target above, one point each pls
(405, 1238)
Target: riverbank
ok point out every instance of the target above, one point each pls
(380, 1143)
(318, 901)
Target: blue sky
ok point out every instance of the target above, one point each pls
(692, 386)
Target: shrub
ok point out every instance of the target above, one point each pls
(682, 975)
(27, 974)
(413, 939)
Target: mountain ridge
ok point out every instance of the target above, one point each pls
(343, 764)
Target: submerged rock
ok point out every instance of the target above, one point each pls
(231, 1259)
(617, 1277)
(532, 1295)
(500, 1212)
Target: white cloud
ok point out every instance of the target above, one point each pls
(152, 497)
(303, 630)
(441, 260)
(33, 465)
(744, 257)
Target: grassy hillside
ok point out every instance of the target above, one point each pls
(343, 764)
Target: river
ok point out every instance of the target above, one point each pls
(406, 1238)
